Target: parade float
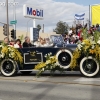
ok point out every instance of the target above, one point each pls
(83, 57)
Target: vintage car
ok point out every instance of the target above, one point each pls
(35, 55)
(62, 51)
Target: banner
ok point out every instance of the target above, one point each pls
(95, 14)
(79, 17)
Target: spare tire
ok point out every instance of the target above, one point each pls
(8, 67)
(89, 67)
(64, 58)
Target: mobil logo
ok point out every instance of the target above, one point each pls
(34, 12)
(31, 11)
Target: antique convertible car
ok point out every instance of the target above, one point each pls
(62, 51)
(35, 55)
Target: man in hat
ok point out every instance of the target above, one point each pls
(27, 42)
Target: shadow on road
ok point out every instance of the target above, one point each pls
(56, 74)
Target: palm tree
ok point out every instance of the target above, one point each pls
(39, 27)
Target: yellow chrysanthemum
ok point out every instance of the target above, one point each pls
(40, 65)
(4, 50)
(92, 51)
(86, 48)
(76, 55)
(53, 59)
(87, 42)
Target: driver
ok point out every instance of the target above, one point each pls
(27, 42)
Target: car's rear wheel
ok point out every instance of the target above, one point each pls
(8, 67)
(89, 67)
(64, 58)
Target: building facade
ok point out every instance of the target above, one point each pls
(23, 33)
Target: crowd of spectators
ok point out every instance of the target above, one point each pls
(72, 37)
(76, 35)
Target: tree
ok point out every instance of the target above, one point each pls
(61, 28)
(21, 38)
(39, 27)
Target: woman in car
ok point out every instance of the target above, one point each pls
(18, 44)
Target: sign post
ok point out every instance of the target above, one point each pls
(13, 22)
(30, 11)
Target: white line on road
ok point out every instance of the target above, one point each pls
(88, 79)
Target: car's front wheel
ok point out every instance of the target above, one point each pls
(8, 67)
(89, 67)
(64, 58)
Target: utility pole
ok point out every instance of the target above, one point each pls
(27, 27)
(7, 19)
(43, 29)
(14, 12)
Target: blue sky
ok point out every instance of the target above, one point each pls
(54, 11)
(81, 2)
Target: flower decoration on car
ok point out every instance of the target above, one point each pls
(88, 47)
(49, 64)
(8, 52)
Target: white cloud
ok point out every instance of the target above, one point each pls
(53, 12)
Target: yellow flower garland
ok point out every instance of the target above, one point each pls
(86, 49)
(41, 65)
(10, 52)
(76, 55)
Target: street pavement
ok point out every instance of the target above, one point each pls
(68, 86)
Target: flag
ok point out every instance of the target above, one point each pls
(79, 17)
(95, 14)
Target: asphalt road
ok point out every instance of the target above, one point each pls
(70, 86)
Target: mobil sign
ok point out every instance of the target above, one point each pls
(32, 12)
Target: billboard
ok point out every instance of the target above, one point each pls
(32, 12)
(95, 14)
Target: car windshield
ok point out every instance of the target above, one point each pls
(56, 38)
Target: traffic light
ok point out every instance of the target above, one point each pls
(12, 34)
(5, 29)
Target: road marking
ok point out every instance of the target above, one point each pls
(87, 79)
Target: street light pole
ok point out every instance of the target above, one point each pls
(7, 19)
(27, 27)
(14, 12)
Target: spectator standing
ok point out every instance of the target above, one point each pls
(76, 37)
(66, 39)
(80, 34)
(97, 27)
(72, 40)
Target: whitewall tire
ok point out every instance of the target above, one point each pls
(8, 67)
(89, 67)
(64, 58)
